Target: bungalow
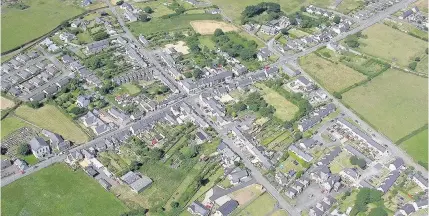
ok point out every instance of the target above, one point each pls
(39, 147)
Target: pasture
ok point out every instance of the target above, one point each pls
(334, 77)
(382, 42)
(57, 190)
(207, 27)
(51, 118)
(394, 102)
(285, 110)
(21, 26)
(417, 146)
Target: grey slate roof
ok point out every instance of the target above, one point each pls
(362, 135)
(228, 207)
(199, 208)
(327, 159)
(37, 142)
(408, 208)
(389, 181)
(307, 157)
(398, 162)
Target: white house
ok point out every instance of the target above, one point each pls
(39, 147)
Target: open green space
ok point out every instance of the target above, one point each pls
(334, 77)
(57, 190)
(296, 33)
(233, 9)
(166, 25)
(285, 110)
(128, 88)
(382, 41)
(30, 159)
(422, 65)
(417, 146)
(20, 26)
(207, 41)
(347, 6)
(262, 205)
(158, 7)
(394, 102)
(51, 118)
(11, 124)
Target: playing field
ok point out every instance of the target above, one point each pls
(334, 77)
(417, 146)
(233, 9)
(50, 118)
(57, 190)
(207, 27)
(11, 124)
(383, 40)
(285, 110)
(394, 102)
(260, 206)
(20, 26)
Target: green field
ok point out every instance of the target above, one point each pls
(417, 146)
(394, 102)
(334, 77)
(296, 33)
(207, 41)
(233, 9)
(11, 124)
(383, 40)
(285, 110)
(128, 88)
(158, 7)
(57, 190)
(262, 205)
(167, 25)
(347, 6)
(20, 26)
(422, 66)
(50, 118)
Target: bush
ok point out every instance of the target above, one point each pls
(284, 31)
(337, 95)
(412, 65)
(24, 149)
(148, 10)
(100, 36)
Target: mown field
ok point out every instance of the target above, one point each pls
(167, 25)
(285, 110)
(334, 77)
(233, 9)
(50, 118)
(262, 205)
(394, 102)
(382, 42)
(417, 146)
(20, 26)
(57, 190)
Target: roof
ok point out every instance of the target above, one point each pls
(37, 142)
(54, 137)
(228, 207)
(422, 202)
(327, 159)
(236, 176)
(398, 162)
(104, 183)
(408, 208)
(199, 208)
(309, 122)
(304, 80)
(307, 157)
(389, 181)
(351, 172)
(421, 179)
(357, 153)
(201, 136)
(362, 135)
(141, 183)
(308, 143)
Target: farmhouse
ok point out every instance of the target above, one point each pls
(39, 147)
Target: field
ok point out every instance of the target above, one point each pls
(247, 194)
(179, 47)
(422, 5)
(422, 66)
(233, 9)
(11, 124)
(387, 46)
(20, 26)
(207, 27)
(347, 6)
(296, 33)
(50, 118)
(417, 146)
(6, 103)
(334, 77)
(392, 93)
(167, 25)
(285, 110)
(260, 206)
(58, 190)
(207, 41)
(158, 7)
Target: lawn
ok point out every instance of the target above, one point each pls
(417, 146)
(347, 6)
(279, 213)
(30, 159)
(51, 118)
(129, 88)
(233, 9)
(20, 26)
(296, 33)
(383, 40)
(57, 190)
(422, 5)
(394, 102)
(158, 7)
(167, 25)
(262, 205)
(11, 124)
(334, 77)
(207, 41)
(285, 110)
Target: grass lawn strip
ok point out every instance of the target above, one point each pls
(260, 206)
(50, 118)
(57, 190)
(390, 94)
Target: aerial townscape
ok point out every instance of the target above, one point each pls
(214, 107)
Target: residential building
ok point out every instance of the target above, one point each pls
(263, 54)
(421, 181)
(39, 147)
(389, 181)
(197, 208)
(227, 208)
(136, 182)
(301, 154)
(397, 164)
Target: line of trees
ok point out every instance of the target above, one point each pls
(235, 45)
(254, 102)
(273, 10)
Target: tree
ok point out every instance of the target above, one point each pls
(188, 74)
(337, 95)
(412, 65)
(174, 204)
(303, 9)
(218, 32)
(24, 149)
(120, 2)
(337, 19)
(197, 73)
(144, 17)
(297, 136)
(135, 165)
(100, 36)
(284, 31)
(417, 59)
(77, 110)
(148, 10)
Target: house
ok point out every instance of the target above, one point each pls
(406, 210)
(106, 185)
(421, 181)
(14, 91)
(291, 193)
(20, 164)
(82, 101)
(405, 14)
(67, 37)
(305, 83)
(227, 208)
(136, 182)
(51, 90)
(54, 139)
(89, 170)
(197, 208)
(239, 69)
(23, 58)
(350, 174)
(63, 82)
(308, 123)
(269, 30)
(37, 97)
(327, 159)
(202, 137)
(301, 154)
(398, 163)
(127, 6)
(321, 174)
(118, 115)
(76, 23)
(66, 59)
(389, 181)
(238, 175)
(53, 48)
(307, 143)
(97, 46)
(421, 204)
(39, 147)
(73, 157)
(263, 54)
(130, 16)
